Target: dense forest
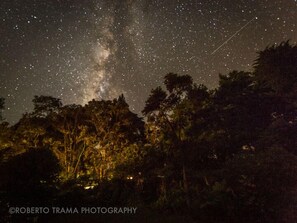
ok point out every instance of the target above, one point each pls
(198, 155)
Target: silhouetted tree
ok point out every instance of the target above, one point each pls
(165, 114)
(27, 177)
(44, 105)
(243, 111)
(276, 68)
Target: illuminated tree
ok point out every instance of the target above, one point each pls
(73, 139)
(7, 143)
(117, 130)
(32, 130)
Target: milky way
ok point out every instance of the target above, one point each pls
(80, 50)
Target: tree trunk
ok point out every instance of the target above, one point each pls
(163, 188)
(78, 161)
(185, 184)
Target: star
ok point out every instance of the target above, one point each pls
(77, 50)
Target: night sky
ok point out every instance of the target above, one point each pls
(78, 50)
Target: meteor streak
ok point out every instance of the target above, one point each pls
(238, 31)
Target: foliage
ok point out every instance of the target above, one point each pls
(264, 184)
(243, 110)
(44, 105)
(27, 177)
(221, 155)
(276, 68)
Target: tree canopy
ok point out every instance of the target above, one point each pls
(214, 155)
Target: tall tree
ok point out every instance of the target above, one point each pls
(117, 130)
(276, 68)
(73, 139)
(243, 110)
(167, 119)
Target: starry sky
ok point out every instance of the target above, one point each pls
(78, 50)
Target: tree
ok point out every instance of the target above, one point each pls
(28, 178)
(276, 68)
(243, 110)
(118, 132)
(263, 185)
(30, 131)
(73, 140)
(44, 105)
(7, 142)
(168, 121)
